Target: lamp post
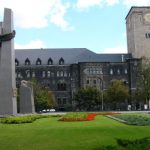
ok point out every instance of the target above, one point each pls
(102, 94)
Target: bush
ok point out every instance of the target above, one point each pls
(21, 119)
(129, 145)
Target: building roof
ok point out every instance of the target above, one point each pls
(70, 56)
(136, 8)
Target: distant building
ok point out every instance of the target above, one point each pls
(66, 70)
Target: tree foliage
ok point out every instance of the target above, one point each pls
(87, 98)
(143, 80)
(117, 92)
(43, 97)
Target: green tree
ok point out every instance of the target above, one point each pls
(143, 80)
(117, 93)
(43, 97)
(87, 98)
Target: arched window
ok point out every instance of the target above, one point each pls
(61, 61)
(50, 61)
(118, 71)
(38, 61)
(61, 86)
(27, 61)
(28, 73)
(111, 72)
(48, 73)
(33, 74)
(126, 71)
(16, 62)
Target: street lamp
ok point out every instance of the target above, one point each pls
(102, 94)
(101, 79)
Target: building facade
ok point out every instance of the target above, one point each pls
(66, 70)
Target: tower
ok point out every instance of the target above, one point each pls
(138, 31)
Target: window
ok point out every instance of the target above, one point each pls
(111, 72)
(61, 86)
(61, 61)
(43, 74)
(27, 62)
(48, 73)
(94, 81)
(28, 73)
(147, 35)
(50, 61)
(38, 62)
(118, 71)
(87, 82)
(64, 100)
(57, 73)
(61, 73)
(126, 71)
(19, 75)
(16, 62)
(33, 74)
(59, 101)
(65, 74)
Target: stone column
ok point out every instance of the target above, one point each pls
(26, 97)
(8, 104)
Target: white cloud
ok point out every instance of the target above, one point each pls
(30, 45)
(112, 2)
(118, 49)
(136, 2)
(84, 4)
(37, 13)
(81, 4)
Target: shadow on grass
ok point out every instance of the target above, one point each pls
(122, 144)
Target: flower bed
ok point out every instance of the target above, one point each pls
(134, 119)
(78, 117)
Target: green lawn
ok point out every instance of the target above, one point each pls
(50, 134)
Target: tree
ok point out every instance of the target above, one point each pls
(143, 78)
(87, 98)
(43, 97)
(117, 93)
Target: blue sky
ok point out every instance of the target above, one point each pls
(98, 25)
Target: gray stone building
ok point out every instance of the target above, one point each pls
(66, 70)
(138, 31)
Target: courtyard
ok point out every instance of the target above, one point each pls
(49, 133)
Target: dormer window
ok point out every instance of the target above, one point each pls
(50, 61)
(38, 62)
(27, 62)
(61, 61)
(16, 62)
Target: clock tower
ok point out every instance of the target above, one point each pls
(138, 31)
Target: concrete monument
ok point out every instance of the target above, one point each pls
(8, 104)
(26, 97)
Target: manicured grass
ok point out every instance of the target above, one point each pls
(51, 134)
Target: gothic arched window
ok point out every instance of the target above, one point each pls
(27, 61)
(38, 61)
(61, 61)
(50, 61)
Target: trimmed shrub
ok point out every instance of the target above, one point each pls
(21, 119)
